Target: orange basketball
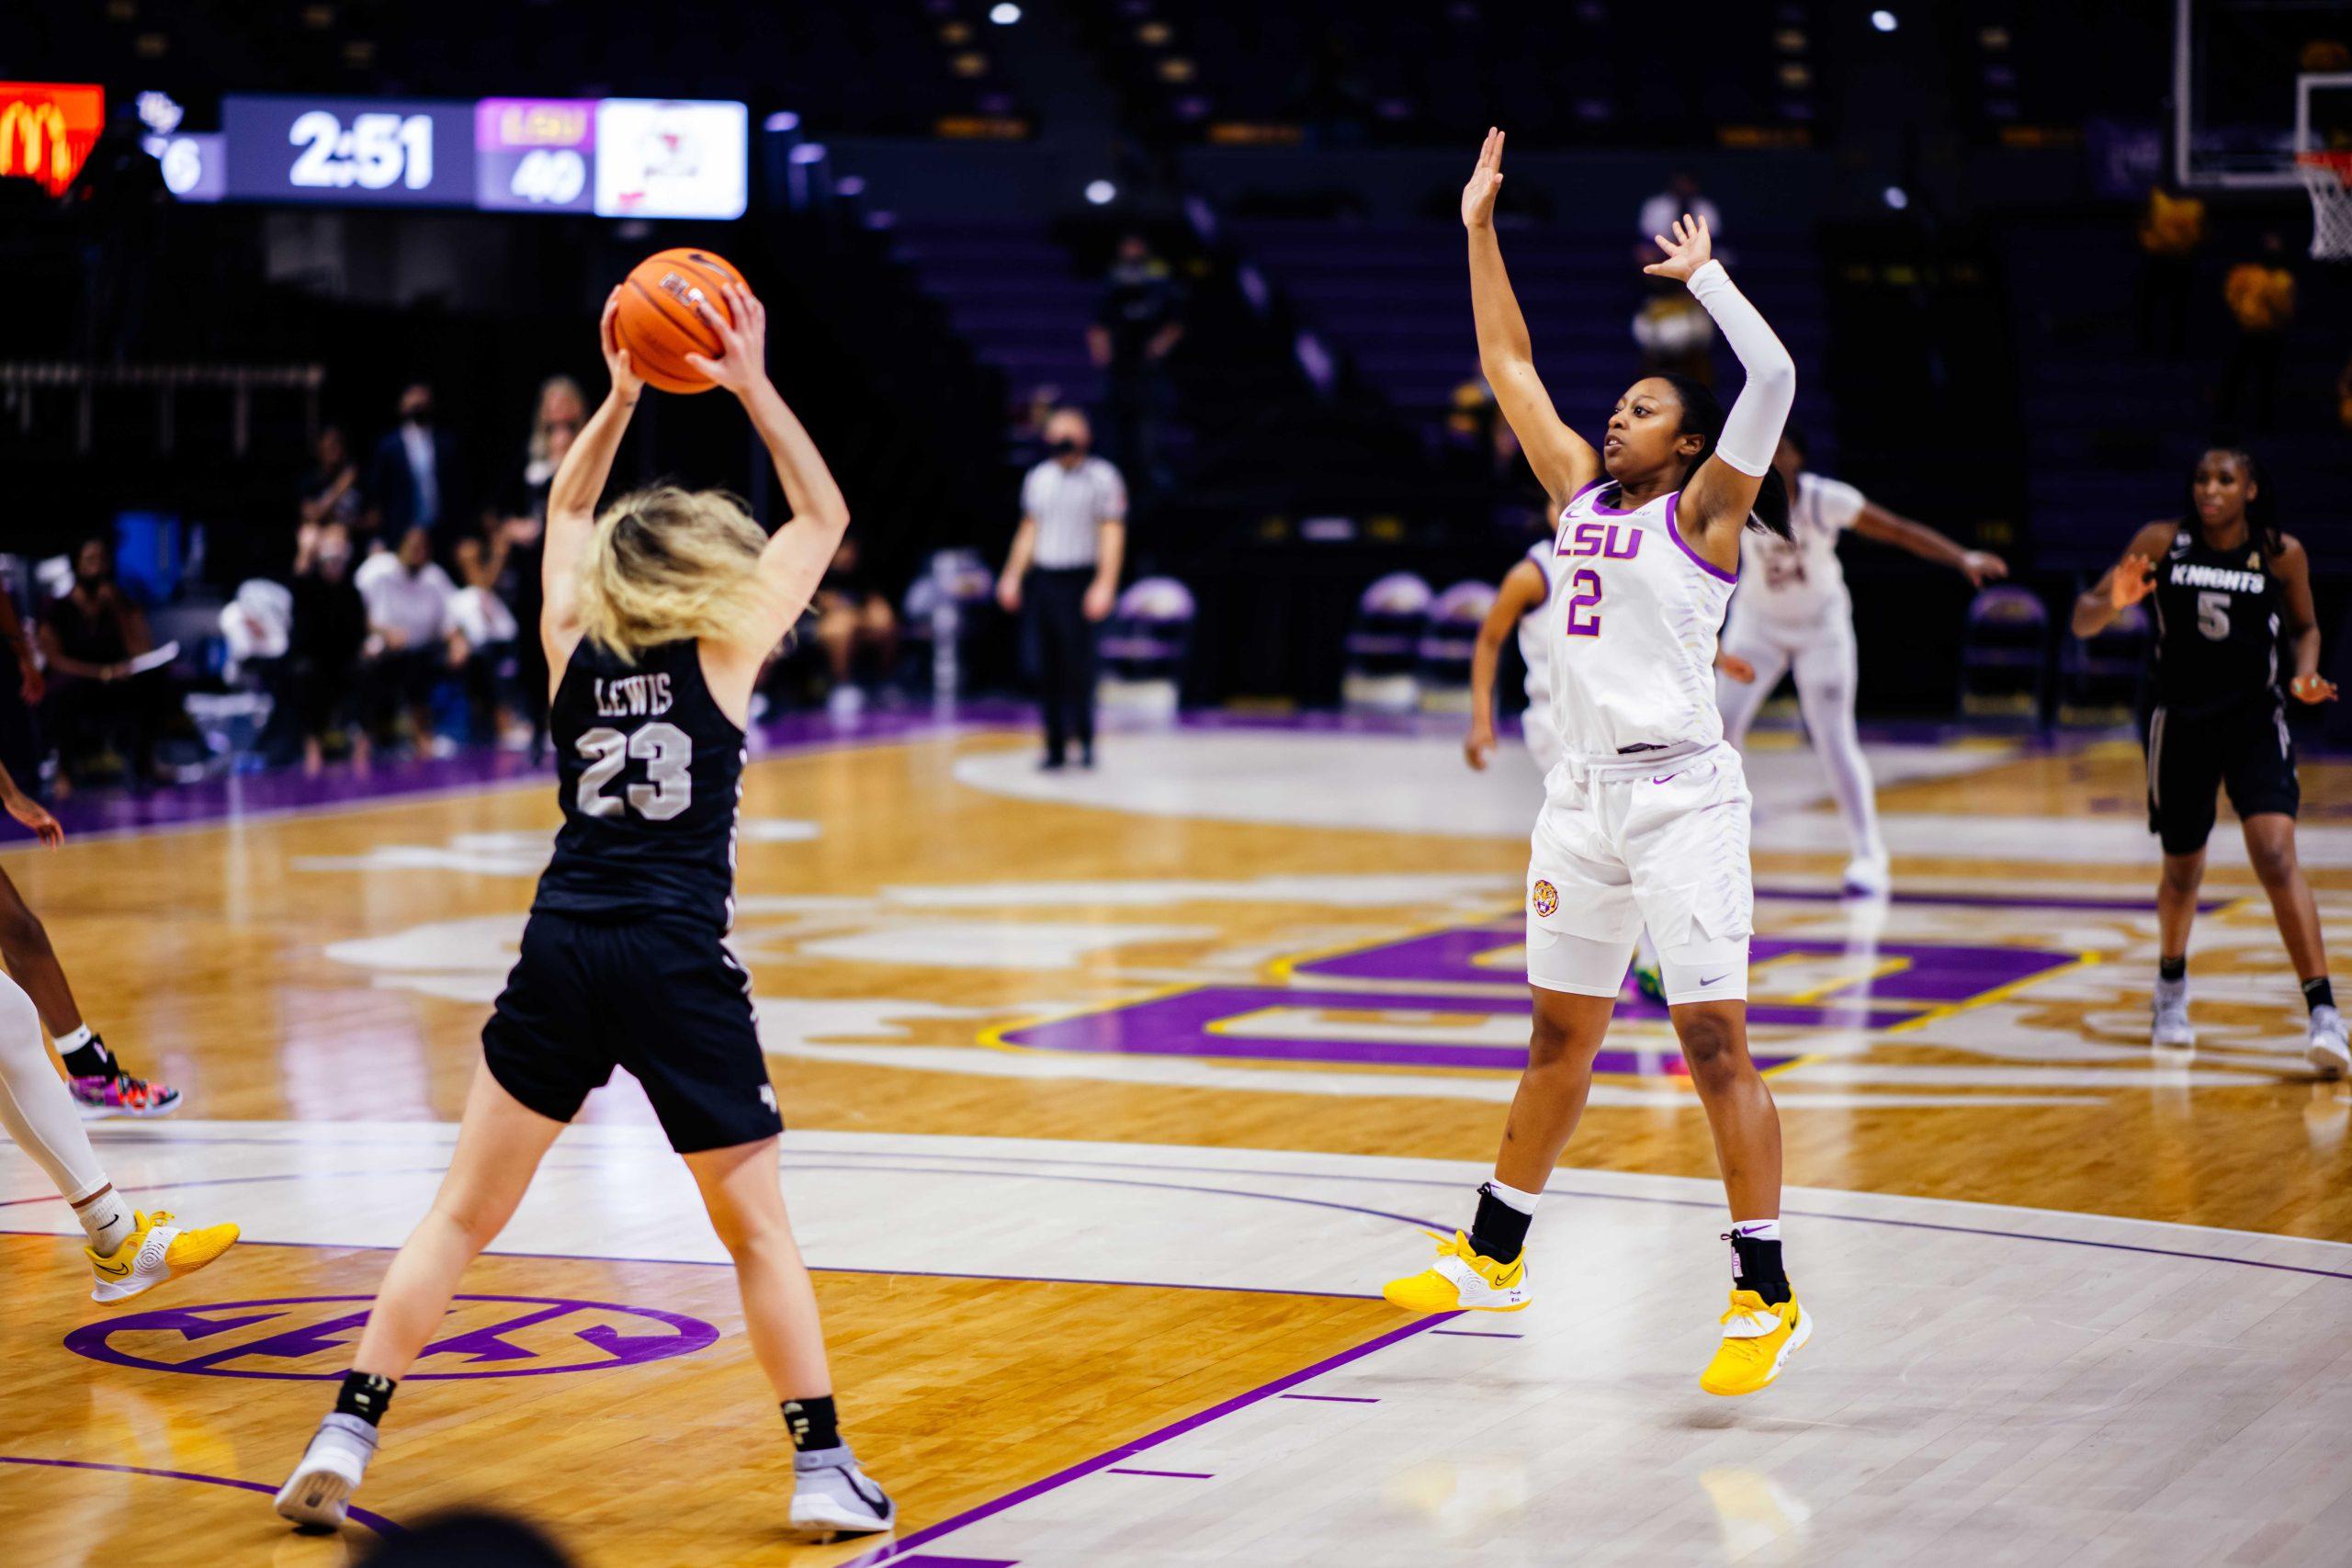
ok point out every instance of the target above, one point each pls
(659, 324)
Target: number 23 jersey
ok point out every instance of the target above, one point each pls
(2216, 625)
(1635, 615)
(650, 773)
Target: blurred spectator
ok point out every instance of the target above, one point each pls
(2170, 232)
(412, 637)
(413, 480)
(486, 620)
(853, 616)
(320, 677)
(1676, 336)
(331, 489)
(1064, 566)
(1659, 213)
(89, 636)
(523, 510)
(1137, 322)
(20, 693)
(2261, 298)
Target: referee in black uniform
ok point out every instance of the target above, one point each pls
(1065, 566)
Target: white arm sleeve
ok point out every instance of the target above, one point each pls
(1752, 429)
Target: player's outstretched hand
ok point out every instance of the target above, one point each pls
(1688, 249)
(2135, 579)
(34, 814)
(1738, 669)
(2312, 688)
(1479, 744)
(627, 383)
(1981, 567)
(742, 362)
(1486, 180)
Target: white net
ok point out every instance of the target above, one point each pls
(2325, 176)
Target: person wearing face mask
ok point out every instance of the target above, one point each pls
(89, 636)
(413, 478)
(1064, 567)
(330, 626)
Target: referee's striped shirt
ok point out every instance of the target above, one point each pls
(1069, 506)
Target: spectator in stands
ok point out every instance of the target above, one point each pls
(485, 618)
(20, 693)
(413, 638)
(89, 637)
(1064, 566)
(2260, 295)
(2170, 232)
(1138, 323)
(320, 679)
(1676, 336)
(331, 490)
(1681, 195)
(853, 616)
(562, 411)
(413, 480)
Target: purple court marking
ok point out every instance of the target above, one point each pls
(1476, 1334)
(925, 1560)
(1169, 1474)
(619, 1348)
(1062, 1478)
(1336, 1398)
(377, 1522)
(1990, 900)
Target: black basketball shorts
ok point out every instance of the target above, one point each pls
(2192, 757)
(664, 999)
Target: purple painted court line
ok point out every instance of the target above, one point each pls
(377, 1522)
(1336, 1398)
(1476, 1334)
(1169, 1474)
(1084, 1468)
(925, 1560)
(1989, 900)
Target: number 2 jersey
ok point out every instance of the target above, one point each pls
(2217, 626)
(650, 773)
(1634, 616)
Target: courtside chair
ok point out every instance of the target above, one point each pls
(2005, 657)
(1448, 639)
(1385, 643)
(2099, 678)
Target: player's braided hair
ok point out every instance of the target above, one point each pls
(1703, 415)
(2261, 508)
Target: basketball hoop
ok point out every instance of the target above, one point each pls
(2328, 176)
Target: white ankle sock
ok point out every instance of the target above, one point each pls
(75, 1041)
(107, 1219)
(1512, 1198)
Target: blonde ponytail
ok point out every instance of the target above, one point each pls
(666, 564)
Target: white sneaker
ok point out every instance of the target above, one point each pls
(1870, 877)
(319, 1491)
(2327, 1049)
(158, 1249)
(2171, 1029)
(831, 1497)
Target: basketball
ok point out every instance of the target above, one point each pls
(659, 324)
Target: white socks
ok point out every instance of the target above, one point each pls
(74, 1041)
(107, 1219)
(40, 1115)
(1511, 1198)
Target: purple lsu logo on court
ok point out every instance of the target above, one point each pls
(1609, 540)
(311, 1337)
(1547, 898)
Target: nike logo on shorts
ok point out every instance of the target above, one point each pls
(1667, 776)
(1714, 979)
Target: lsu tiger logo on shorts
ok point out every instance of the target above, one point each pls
(1547, 898)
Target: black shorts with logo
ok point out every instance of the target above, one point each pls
(664, 999)
(2193, 756)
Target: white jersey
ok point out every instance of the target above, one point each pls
(1537, 628)
(1632, 621)
(1799, 580)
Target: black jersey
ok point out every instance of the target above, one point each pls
(2217, 626)
(650, 773)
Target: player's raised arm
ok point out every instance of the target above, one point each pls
(798, 552)
(1564, 461)
(1717, 501)
(2125, 583)
(579, 482)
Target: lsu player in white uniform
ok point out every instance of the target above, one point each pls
(1645, 820)
(1793, 613)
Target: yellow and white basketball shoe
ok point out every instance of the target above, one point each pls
(1757, 1342)
(156, 1252)
(1461, 1279)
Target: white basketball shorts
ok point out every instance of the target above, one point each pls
(1661, 841)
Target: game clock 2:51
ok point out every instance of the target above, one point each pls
(350, 152)
(372, 153)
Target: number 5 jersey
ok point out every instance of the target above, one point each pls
(2217, 626)
(650, 774)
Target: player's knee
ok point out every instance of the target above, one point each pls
(1550, 1043)
(1713, 1047)
(2274, 860)
(2182, 874)
(21, 932)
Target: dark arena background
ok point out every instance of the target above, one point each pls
(1140, 974)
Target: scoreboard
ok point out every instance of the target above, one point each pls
(614, 157)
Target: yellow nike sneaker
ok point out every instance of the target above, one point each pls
(1757, 1341)
(1463, 1281)
(156, 1252)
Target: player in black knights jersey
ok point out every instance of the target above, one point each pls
(2227, 588)
(658, 614)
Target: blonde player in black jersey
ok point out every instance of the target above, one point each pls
(659, 615)
(2227, 588)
